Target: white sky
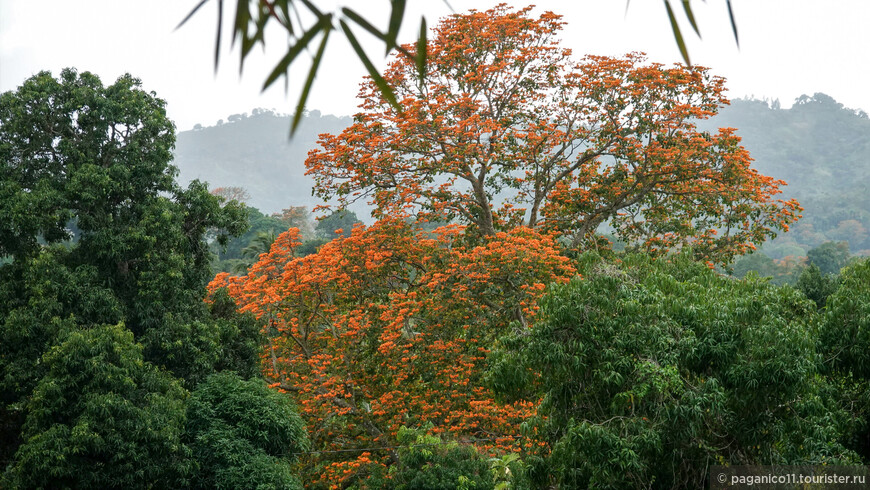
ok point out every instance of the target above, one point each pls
(787, 48)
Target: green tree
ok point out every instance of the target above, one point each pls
(425, 461)
(649, 371)
(41, 299)
(243, 435)
(844, 342)
(259, 245)
(101, 155)
(815, 285)
(230, 257)
(845, 336)
(74, 151)
(830, 257)
(102, 418)
(343, 220)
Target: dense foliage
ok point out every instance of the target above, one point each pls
(103, 331)
(102, 418)
(389, 327)
(652, 371)
(243, 435)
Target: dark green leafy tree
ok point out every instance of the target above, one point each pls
(829, 257)
(652, 371)
(259, 245)
(243, 435)
(845, 337)
(41, 299)
(101, 403)
(343, 220)
(817, 286)
(102, 418)
(258, 223)
(425, 461)
(74, 149)
(844, 341)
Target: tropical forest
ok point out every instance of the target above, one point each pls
(515, 266)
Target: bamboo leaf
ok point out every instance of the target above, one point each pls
(312, 73)
(687, 8)
(217, 44)
(243, 16)
(362, 22)
(324, 24)
(350, 14)
(678, 36)
(422, 51)
(190, 14)
(314, 10)
(733, 23)
(382, 84)
(396, 15)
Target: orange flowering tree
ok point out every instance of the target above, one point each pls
(390, 327)
(232, 193)
(508, 130)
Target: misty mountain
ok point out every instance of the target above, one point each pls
(820, 148)
(254, 152)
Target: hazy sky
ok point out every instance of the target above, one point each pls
(787, 48)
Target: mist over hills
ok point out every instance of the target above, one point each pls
(254, 151)
(822, 150)
(819, 147)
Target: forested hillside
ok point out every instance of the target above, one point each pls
(822, 150)
(254, 151)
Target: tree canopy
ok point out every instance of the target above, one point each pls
(509, 130)
(389, 327)
(103, 332)
(649, 371)
(102, 418)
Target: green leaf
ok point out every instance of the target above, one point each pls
(312, 73)
(314, 10)
(687, 8)
(678, 36)
(362, 22)
(190, 14)
(243, 16)
(217, 43)
(733, 23)
(323, 25)
(421, 51)
(382, 84)
(396, 15)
